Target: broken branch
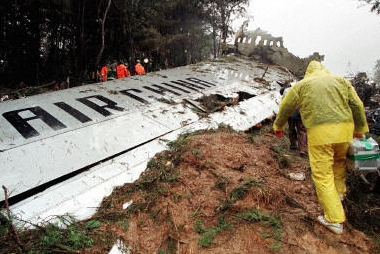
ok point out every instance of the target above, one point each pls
(14, 233)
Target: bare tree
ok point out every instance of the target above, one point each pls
(99, 57)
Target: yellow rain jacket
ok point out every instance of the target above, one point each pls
(331, 111)
(330, 108)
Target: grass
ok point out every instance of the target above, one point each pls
(93, 224)
(198, 226)
(72, 237)
(176, 147)
(197, 153)
(376, 241)
(176, 197)
(158, 171)
(188, 195)
(255, 215)
(239, 192)
(221, 183)
(207, 235)
(124, 223)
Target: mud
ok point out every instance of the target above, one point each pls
(222, 192)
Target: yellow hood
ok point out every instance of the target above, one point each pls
(315, 67)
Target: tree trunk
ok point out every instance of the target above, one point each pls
(82, 56)
(36, 40)
(214, 39)
(99, 57)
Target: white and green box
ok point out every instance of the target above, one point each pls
(363, 155)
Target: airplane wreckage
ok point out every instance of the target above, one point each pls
(63, 152)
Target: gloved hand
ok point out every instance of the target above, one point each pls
(279, 134)
(358, 135)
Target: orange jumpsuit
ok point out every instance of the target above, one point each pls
(122, 71)
(104, 73)
(140, 70)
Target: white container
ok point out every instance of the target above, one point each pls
(363, 155)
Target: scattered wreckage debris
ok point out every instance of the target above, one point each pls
(265, 48)
(217, 102)
(373, 119)
(261, 80)
(367, 92)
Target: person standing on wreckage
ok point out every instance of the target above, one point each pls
(332, 114)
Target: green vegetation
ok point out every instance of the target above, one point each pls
(197, 153)
(93, 224)
(65, 235)
(124, 223)
(207, 235)
(255, 215)
(176, 197)
(237, 193)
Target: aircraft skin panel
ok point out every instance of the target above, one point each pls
(81, 195)
(48, 136)
(45, 161)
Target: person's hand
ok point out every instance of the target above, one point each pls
(358, 135)
(279, 134)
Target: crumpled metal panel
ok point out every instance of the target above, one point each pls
(127, 116)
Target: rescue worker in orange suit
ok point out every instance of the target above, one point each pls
(104, 72)
(332, 114)
(122, 71)
(139, 69)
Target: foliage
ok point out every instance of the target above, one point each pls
(255, 215)
(65, 234)
(238, 193)
(220, 13)
(93, 224)
(208, 234)
(375, 5)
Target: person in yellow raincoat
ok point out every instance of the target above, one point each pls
(332, 114)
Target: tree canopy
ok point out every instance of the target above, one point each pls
(375, 5)
(50, 40)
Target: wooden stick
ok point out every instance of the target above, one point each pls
(265, 71)
(15, 235)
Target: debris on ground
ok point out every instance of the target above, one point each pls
(216, 102)
(215, 191)
(373, 119)
(367, 91)
(261, 80)
(297, 176)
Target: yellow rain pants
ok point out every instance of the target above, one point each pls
(331, 112)
(328, 170)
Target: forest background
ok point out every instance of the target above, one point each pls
(68, 40)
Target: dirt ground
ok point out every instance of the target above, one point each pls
(222, 192)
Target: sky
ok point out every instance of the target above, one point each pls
(345, 31)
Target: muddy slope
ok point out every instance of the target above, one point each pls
(222, 192)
